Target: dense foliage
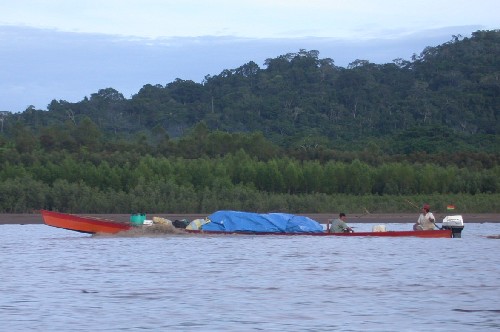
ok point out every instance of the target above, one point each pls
(158, 184)
(301, 135)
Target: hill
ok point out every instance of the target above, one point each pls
(445, 98)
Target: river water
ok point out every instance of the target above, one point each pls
(58, 280)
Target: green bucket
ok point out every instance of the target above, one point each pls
(137, 219)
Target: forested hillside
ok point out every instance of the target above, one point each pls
(299, 135)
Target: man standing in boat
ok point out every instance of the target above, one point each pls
(425, 221)
(339, 226)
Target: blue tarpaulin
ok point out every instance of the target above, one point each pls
(237, 221)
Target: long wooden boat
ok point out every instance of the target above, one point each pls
(92, 225)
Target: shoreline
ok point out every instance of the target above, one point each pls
(35, 218)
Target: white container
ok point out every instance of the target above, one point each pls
(379, 228)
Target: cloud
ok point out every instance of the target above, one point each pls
(353, 19)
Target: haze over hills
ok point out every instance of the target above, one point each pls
(39, 65)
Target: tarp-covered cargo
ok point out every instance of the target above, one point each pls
(237, 221)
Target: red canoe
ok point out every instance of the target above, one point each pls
(94, 225)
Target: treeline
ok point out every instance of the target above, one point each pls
(87, 141)
(25, 195)
(159, 184)
(445, 98)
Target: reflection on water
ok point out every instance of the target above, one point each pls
(53, 279)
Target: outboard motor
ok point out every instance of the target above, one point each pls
(455, 223)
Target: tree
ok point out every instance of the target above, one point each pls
(87, 134)
(24, 138)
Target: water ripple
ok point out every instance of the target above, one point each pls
(59, 280)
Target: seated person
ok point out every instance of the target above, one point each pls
(425, 221)
(339, 226)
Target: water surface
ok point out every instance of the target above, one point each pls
(59, 280)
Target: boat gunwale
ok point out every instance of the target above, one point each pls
(437, 233)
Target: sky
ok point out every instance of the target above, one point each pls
(66, 50)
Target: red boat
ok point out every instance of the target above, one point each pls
(89, 225)
(93, 225)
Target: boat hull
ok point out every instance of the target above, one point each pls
(81, 224)
(442, 233)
